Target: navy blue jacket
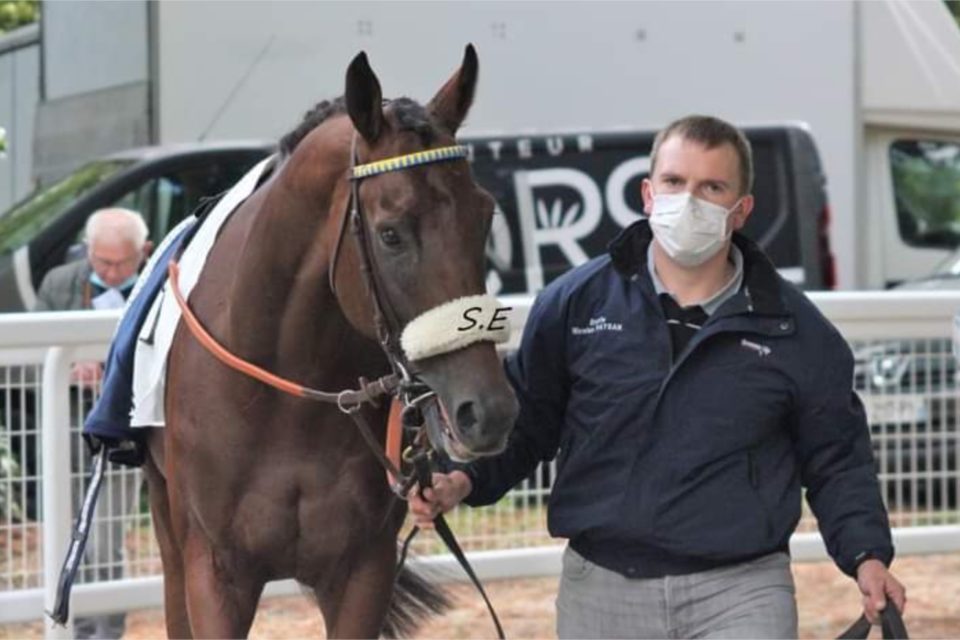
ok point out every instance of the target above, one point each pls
(672, 466)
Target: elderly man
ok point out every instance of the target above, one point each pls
(117, 246)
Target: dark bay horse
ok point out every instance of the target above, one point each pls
(248, 484)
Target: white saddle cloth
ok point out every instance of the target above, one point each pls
(156, 335)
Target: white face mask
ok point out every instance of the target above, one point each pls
(689, 229)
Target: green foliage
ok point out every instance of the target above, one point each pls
(17, 13)
(954, 7)
(927, 184)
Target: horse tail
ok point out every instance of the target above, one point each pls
(414, 600)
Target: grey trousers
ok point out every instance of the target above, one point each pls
(755, 599)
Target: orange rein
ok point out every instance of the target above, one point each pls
(344, 399)
(219, 351)
(379, 387)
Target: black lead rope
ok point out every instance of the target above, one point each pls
(892, 626)
(78, 543)
(425, 479)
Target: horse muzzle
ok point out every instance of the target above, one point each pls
(477, 428)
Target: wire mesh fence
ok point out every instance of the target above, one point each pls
(908, 389)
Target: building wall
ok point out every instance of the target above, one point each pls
(543, 66)
(90, 45)
(95, 83)
(19, 94)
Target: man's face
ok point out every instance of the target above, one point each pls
(114, 261)
(709, 174)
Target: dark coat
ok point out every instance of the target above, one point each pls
(670, 466)
(66, 288)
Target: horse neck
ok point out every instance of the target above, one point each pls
(283, 278)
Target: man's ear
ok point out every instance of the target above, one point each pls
(646, 192)
(740, 215)
(147, 249)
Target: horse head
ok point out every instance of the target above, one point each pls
(421, 225)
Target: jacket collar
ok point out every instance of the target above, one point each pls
(629, 249)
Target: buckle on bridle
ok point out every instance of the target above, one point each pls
(340, 405)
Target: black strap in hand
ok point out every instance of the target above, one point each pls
(891, 624)
(425, 479)
(78, 543)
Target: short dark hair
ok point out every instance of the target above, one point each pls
(710, 132)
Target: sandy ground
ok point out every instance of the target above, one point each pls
(828, 602)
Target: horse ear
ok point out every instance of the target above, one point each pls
(452, 102)
(364, 100)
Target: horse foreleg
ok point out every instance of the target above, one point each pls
(221, 597)
(356, 607)
(174, 597)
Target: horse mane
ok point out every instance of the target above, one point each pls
(408, 114)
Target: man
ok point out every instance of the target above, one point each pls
(117, 246)
(690, 392)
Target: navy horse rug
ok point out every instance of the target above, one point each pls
(133, 386)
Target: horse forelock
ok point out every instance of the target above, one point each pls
(407, 116)
(411, 116)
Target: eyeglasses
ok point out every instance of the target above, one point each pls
(103, 263)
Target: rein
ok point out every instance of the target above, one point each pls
(368, 392)
(348, 400)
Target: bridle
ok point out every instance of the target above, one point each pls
(413, 394)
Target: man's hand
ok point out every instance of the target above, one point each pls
(86, 373)
(877, 584)
(447, 492)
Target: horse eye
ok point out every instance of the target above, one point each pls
(390, 238)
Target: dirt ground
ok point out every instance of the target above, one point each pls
(828, 602)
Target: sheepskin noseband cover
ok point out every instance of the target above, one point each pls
(454, 325)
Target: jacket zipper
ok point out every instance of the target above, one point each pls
(753, 477)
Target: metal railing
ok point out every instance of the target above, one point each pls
(905, 374)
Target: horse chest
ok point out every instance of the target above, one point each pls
(301, 525)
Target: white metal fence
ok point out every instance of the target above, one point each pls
(905, 373)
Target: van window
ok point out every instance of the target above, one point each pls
(21, 223)
(926, 185)
(165, 200)
(773, 224)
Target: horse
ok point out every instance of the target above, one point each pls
(248, 484)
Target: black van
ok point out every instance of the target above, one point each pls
(162, 183)
(562, 198)
(565, 196)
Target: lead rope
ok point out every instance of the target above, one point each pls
(891, 625)
(421, 463)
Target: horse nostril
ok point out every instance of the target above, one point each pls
(466, 417)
